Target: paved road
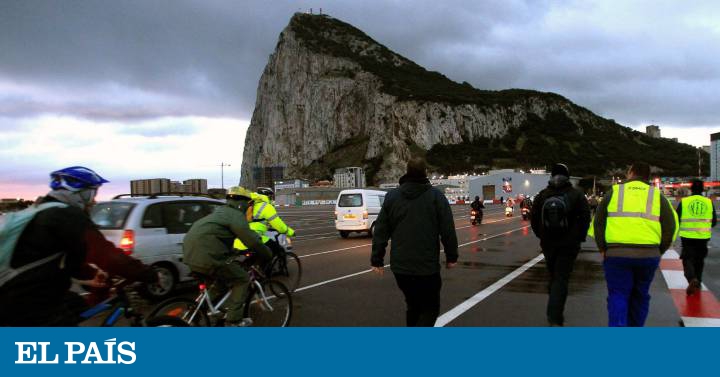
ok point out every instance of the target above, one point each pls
(339, 290)
(500, 279)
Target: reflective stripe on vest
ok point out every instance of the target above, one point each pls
(696, 217)
(258, 225)
(634, 215)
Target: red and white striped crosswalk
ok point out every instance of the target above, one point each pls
(699, 310)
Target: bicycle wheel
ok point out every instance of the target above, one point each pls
(166, 321)
(181, 308)
(273, 311)
(287, 270)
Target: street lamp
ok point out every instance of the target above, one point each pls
(222, 174)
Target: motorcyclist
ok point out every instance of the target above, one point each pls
(477, 204)
(265, 218)
(69, 240)
(208, 245)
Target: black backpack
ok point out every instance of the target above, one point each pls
(555, 215)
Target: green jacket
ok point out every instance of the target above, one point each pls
(209, 241)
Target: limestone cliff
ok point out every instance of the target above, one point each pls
(330, 96)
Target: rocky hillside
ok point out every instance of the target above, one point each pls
(330, 96)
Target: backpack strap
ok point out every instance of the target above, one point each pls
(11, 273)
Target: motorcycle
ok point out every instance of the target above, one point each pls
(476, 217)
(509, 211)
(525, 213)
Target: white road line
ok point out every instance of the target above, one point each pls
(333, 251)
(485, 293)
(387, 265)
(336, 279)
(305, 236)
(700, 322)
(493, 236)
(671, 254)
(676, 280)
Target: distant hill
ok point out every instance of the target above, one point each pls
(331, 96)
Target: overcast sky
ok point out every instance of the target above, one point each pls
(144, 89)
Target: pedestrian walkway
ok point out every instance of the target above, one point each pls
(699, 310)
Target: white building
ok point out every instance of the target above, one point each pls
(291, 184)
(350, 177)
(509, 183)
(715, 156)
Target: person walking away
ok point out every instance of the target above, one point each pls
(56, 243)
(208, 245)
(417, 217)
(634, 225)
(560, 217)
(697, 217)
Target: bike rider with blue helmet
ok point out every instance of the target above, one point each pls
(41, 296)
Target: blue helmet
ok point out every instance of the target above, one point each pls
(75, 178)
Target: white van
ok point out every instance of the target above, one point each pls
(356, 210)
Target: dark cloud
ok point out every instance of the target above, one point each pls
(629, 61)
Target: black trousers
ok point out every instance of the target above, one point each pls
(422, 297)
(560, 263)
(693, 256)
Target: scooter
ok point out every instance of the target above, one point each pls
(509, 211)
(525, 213)
(476, 217)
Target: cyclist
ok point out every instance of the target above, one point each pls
(265, 218)
(209, 243)
(65, 243)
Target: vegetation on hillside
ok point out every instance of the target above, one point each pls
(586, 149)
(400, 76)
(589, 149)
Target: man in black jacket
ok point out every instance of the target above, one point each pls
(418, 218)
(561, 225)
(41, 296)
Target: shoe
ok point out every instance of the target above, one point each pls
(693, 287)
(245, 322)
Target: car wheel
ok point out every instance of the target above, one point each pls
(344, 233)
(371, 230)
(166, 285)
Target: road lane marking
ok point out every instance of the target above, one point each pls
(370, 244)
(701, 309)
(493, 236)
(336, 279)
(333, 251)
(385, 266)
(485, 293)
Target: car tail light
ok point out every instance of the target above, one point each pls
(365, 215)
(127, 242)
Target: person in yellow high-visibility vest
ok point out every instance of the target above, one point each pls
(697, 217)
(264, 217)
(633, 226)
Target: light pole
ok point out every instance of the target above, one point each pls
(222, 174)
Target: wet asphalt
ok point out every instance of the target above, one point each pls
(338, 288)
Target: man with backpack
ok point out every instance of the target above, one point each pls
(560, 217)
(44, 246)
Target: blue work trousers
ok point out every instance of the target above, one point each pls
(628, 283)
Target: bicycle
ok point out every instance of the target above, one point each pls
(120, 303)
(268, 302)
(285, 267)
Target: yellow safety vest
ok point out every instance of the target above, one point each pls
(634, 215)
(264, 216)
(696, 217)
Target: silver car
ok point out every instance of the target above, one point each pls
(151, 229)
